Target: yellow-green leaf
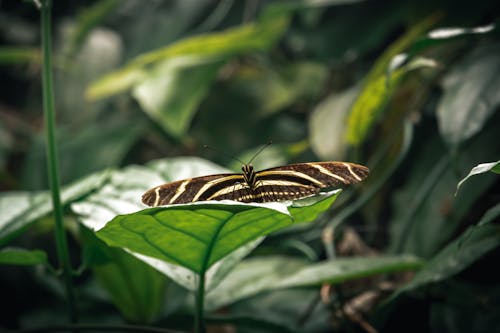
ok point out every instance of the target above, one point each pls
(377, 87)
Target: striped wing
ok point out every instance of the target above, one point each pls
(300, 180)
(214, 187)
(287, 182)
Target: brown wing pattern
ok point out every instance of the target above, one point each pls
(287, 182)
(318, 174)
(189, 190)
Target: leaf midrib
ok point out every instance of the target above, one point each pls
(211, 245)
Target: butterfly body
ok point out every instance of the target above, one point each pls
(283, 183)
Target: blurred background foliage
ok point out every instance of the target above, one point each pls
(410, 89)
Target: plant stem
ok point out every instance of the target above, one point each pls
(52, 163)
(199, 320)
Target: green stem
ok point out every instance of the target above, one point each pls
(52, 163)
(199, 320)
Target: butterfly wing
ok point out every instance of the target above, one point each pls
(287, 182)
(213, 187)
(303, 176)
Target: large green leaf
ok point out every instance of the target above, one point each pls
(247, 38)
(19, 209)
(196, 236)
(470, 94)
(16, 256)
(257, 275)
(122, 195)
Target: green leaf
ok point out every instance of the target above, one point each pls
(257, 275)
(378, 86)
(15, 256)
(247, 38)
(19, 55)
(136, 289)
(427, 214)
(462, 252)
(327, 123)
(343, 269)
(122, 195)
(172, 91)
(213, 277)
(19, 209)
(470, 94)
(479, 169)
(198, 235)
(170, 83)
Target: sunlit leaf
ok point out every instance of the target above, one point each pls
(470, 94)
(377, 85)
(481, 168)
(198, 235)
(19, 209)
(451, 32)
(17, 256)
(247, 38)
(121, 195)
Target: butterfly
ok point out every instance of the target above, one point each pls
(288, 182)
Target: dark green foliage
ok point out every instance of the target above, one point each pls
(408, 89)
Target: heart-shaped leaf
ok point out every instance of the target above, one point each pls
(196, 236)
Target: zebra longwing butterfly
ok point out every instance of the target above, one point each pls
(293, 181)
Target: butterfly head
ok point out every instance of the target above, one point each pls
(248, 174)
(247, 168)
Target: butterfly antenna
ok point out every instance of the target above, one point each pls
(220, 152)
(260, 150)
